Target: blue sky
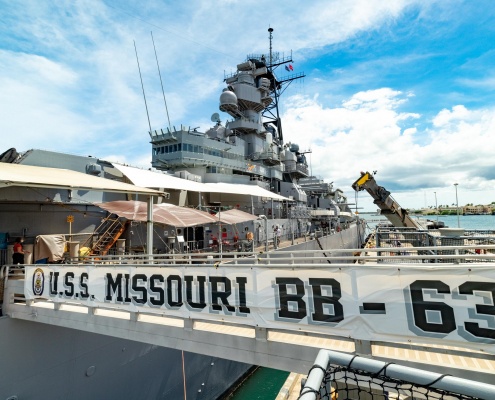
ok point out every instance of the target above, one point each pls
(403, 87)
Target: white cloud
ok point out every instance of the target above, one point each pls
(444, 117)
(370, 133)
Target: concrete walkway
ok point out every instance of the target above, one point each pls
(291, 388)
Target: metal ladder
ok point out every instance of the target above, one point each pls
(108, 232)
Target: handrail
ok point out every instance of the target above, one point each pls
(306, 258)
(3, 271)
(394, 371)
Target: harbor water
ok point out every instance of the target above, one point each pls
(263, 384)
(478, 222)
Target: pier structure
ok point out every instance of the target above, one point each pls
(417, 306)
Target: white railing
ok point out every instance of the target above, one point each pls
(474, 253)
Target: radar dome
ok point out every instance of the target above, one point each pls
(228, 100)
(294, 147)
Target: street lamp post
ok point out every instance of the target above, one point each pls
(457, 205)
(436, 206)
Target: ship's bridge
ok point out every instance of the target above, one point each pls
(413, 304)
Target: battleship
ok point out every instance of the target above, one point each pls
(69, 207)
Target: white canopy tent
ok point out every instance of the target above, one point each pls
(166, 214)
(235, 216)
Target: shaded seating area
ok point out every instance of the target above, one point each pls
(187, 226)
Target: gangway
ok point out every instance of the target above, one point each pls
(430, 309)
(397, 215)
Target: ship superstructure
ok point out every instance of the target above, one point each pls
(249, 149)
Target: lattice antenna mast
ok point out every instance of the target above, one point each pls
(277, 86)
(270, 30)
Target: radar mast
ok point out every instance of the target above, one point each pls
(272, 113)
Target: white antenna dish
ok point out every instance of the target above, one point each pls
(215, 117)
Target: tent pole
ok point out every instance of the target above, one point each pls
(149, 227)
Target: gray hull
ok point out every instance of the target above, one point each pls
(45, 362)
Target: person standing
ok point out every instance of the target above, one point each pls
(18, 255)
(277, 233)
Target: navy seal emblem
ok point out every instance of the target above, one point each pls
(38, 282)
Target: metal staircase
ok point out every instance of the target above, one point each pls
(108, 233)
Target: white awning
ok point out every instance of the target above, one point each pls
(153, 179)
(251, 190)
(27, 175)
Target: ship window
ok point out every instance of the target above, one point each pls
(179, 146)
(166, 149)
(195, 148)
(175, 148)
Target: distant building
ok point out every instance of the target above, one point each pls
(477, 210)
(463, 210)
(450, 209)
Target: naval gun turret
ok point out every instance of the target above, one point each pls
(397, 215)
